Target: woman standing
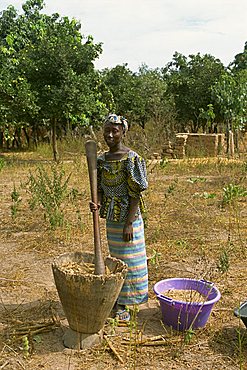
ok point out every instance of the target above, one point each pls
(121, 179)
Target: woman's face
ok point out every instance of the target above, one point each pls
(112, 134)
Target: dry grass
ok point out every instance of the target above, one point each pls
(188, 233)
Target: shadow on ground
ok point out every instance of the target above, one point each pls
(230, 342)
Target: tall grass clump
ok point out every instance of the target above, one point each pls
(50, 192)
(2, 164)
(16, 200)
(232, 193)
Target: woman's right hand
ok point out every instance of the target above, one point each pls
(93, 206)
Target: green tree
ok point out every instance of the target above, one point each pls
(56, 62)
(189, 81)
(140, 96)
(120, 82)
(230, 94)
(17, 100)
(240, 61)
(149, 97)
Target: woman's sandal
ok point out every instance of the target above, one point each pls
(123, 315)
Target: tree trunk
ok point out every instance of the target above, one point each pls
(26, 136)
(227, 137)
(231, 144)
(1, 140)
(236, 140)
(54, 139)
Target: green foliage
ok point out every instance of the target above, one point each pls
(230, 94)
(205, 195)
(16, 199)
(120, 82)
(155, 257)
(241, 345)
(224, 263)
(48, 80)
(232, 192)
(244, 167)
(50, 192)
(47, 70)
(240, 61)
(113, 322)
(2, 163)
(194, 180)
(188, 335)
(164, 162)
(37, 338)
(183, 244)
(171, 189)
(140, 96)
(150, 101)
(208, 115)
(189, 81)
(25, 346)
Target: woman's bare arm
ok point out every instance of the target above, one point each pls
(128, 227)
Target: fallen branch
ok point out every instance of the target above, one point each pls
(153, 341)
(150, 339)
(113, 349)
(33, 329)
(5, 364)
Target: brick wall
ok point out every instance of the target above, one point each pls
(196, 145)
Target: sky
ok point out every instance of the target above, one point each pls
(149, 32)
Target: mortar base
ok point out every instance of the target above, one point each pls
(75, 340)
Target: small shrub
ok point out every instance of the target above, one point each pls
(244, 167)
(50, 191)
(16, 199)
(155, 257)
(232, 192)
(164, 163)
(188, 335)
(205, 195)
(224, 263)
(171, 188)
(194, 180)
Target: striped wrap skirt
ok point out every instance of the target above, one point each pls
(135, 288)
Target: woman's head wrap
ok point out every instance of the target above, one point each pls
(117, 120)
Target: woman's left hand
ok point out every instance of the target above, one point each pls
(128, 232)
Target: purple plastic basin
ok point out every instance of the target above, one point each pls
(185, 315)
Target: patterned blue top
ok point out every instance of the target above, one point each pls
(118, 181)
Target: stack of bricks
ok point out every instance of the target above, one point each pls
(180, 145)
(202, 145)
(195, 145)
(156, 155)
(168, 150)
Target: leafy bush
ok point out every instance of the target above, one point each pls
(50, 192)
(232, 192)
(16, 199)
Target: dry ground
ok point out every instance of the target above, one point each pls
(188, 234)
